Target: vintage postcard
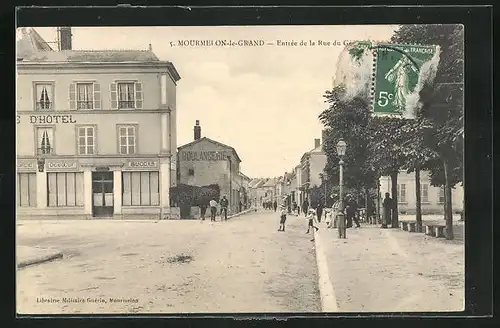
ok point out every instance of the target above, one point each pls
(239, 169)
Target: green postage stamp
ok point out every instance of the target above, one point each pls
(396, 76)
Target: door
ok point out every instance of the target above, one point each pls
(102, 194)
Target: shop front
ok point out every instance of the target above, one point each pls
(89, 188)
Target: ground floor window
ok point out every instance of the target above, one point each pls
(65, 189)
(140, 189)
(27, 190)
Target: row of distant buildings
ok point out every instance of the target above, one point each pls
(295, 186)
(97, 135)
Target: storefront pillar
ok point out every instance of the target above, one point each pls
(41, 195)
(165, 132)
(117, 192)
(87, 190)
(165, 186)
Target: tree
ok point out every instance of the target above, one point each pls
(441, 114)
(348, 119)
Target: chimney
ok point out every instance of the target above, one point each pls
(65, 38)
(197, 130)
(317, 143)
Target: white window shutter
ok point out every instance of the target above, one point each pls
(97, 96)
(138, 95)
(72, 96)
(114, 100)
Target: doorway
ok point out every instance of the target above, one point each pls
(102, 194)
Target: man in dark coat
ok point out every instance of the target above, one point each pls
(305, 206)
(275, 205)
(388, 206)
(319, 211)
(351, 212)
(224, 203)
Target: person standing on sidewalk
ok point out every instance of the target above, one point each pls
(311, 214)
(203, 211)
(213, 210)
(275, 205)
(319, 211)
(305, 206)
(282, 218)
(223, 207)
(351, 210)
(387, 205)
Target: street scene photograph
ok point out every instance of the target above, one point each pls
(240, 169)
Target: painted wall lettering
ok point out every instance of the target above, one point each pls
(203, 156)
(143, 164)
(49, 119)
(61, 165)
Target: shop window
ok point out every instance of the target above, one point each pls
(65, 189)
(44, 93)
(127, 136)
(401, 193)
(26, 190)
(140, 189)
(86, 140)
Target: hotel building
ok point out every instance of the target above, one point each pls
(96, 131)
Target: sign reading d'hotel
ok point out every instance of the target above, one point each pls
(203, 156)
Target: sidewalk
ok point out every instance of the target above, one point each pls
(389, 270)
(27, 255)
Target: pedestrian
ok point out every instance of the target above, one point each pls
(310, 217)
(388, 206)
(203, 211)
(223, 207)
(305, 206)
(294, 206)
(319, 211)
(275, 205)
(328, 217)
(282, 218)
(241, 206)
(213, 210)
(298, 210)
(351, 211)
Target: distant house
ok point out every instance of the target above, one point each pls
(312, 165)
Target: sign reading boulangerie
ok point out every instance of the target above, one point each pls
(203, 156)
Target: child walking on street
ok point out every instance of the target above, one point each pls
(282, 218)
(311, 214)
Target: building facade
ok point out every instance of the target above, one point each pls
(204, 161)
(95, 132)
(312, 165)
(432, 198)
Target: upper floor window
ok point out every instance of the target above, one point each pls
(126, 95)
(44, 93)
(441, 195)
(84, 95)
(45, 141)
(127, 139)
(86, 140)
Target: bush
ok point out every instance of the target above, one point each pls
(184, 194)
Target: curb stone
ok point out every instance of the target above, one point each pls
(39, 260)
(326, 291)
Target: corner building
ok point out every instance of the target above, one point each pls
(95, 134)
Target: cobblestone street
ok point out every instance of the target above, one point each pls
(242, 265)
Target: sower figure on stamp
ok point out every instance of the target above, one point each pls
(223, 206)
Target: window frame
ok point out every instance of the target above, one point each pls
(134, 87)
(441, 191)
(30, 185)
(400, 199)
(35, 96)
(77, 139)
(92, 101)
(56, 174)
(426, 199)
(130, 175)
(136, 138)
(53, 142)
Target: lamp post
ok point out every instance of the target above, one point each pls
(341, 148)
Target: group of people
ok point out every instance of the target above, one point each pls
(270, 205)
(350, 209)
(213, 204)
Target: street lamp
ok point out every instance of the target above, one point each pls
(341, 148)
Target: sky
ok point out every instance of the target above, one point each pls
(262, 100)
